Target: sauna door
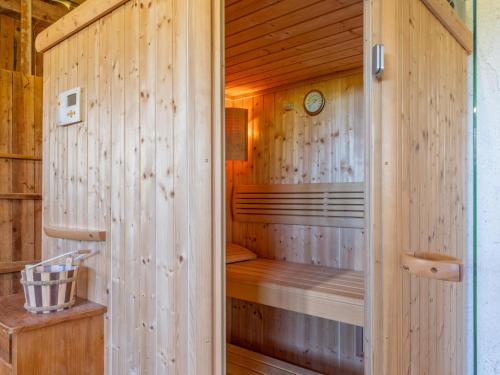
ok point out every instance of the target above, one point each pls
(417, 187)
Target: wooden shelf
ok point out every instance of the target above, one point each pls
(6, 155)
(20, 196)
(72, 340)
(242, 361)
(75, 233)
(329, 293)
(432, 265)
(16, 266)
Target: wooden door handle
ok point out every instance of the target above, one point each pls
(432, 265)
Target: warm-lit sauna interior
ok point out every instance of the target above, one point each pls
(295, 172)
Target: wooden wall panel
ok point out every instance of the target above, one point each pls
(139, 166)
(433, 197)
(20, 144)
(288, 146)
(418, 192)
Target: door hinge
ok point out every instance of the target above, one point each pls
(378, 60)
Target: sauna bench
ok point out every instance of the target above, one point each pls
(245, 362)
(329, 293)
(66, 342)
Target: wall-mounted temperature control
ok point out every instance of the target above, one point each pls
(69, 107)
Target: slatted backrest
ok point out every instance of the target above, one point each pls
(336, 205)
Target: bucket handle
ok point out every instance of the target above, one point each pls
(76, 255)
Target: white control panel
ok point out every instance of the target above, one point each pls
(69, 107)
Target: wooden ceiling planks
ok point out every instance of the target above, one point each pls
(271, 43)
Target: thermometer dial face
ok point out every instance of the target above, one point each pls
(314, 101)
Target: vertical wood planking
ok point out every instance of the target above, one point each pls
(423, 186)
(6, 106)
(71, 143)
(50, 167)
(287, 146)
(103, 144)
(46, 149)
(143, 159)
(20, 111)
(147, 53)
(6, 97)
(94, 279)
(38, 142)
(117, 191)
(218, 190)
(132, 188)
(7, 40)
(438, 144)
(181, 195)
(22, 138)
(200, 185)
(165, 193)
(63, 137)
(81, 146)
(28, 147)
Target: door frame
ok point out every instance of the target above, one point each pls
(218, 190)
(384, 100)
(372, 96)
(373, 119)
(383, 283)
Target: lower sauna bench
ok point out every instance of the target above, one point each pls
(329, 293)
(245, 362)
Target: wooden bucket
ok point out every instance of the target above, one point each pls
(50, 288)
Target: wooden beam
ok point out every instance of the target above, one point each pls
(451, 21)
(26, 35)
(41, 11)
(20, 196)
(75, 21)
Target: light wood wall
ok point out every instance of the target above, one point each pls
(140, 167)
(419, 193)
(433, 197)
(20, 173)
(288, 146)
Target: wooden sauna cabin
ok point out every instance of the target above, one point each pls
(274, 187)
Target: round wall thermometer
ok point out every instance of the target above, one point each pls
(314, 102)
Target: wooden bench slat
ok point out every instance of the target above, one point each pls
(301, 207)
(303, 188)
(326, 292)
(334, 204)
(340, 222)
(242, 361)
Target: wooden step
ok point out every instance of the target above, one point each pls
(245, 362)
